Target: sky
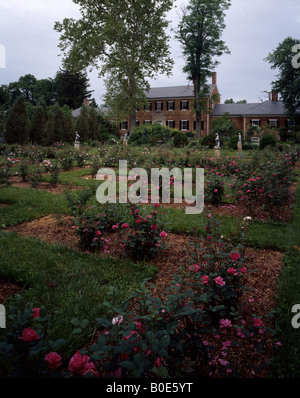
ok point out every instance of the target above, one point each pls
(29, 44)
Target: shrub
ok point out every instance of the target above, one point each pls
(145, 237)
(209, 141)
(180, 139)
(267, 140)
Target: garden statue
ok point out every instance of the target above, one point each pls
(240, 139)
(77, 143)
(217, 141)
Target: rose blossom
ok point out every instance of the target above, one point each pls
(53, 360)
(163, 234)
(234, 256)
(205, 279)
(219, 281)
(29, 335)
(78, 363)
(194, 268)
(36, 313)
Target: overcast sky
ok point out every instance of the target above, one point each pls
(253, 29)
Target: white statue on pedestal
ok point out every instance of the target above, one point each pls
(217, 141)
(240, 139)
(77, 137)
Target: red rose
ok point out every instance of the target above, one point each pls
(29, 335)
(53, 360)
(234, 256)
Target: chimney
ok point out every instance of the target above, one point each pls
(274, 96)
(214, 78)
(86, 102)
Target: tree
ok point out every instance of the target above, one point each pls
(38, 123)
(224, 126)
(71, 87)
(82, 126)
(125, 39)
(230, 101)
(58, 127)
(16, 130)
(288, 78)
(199, 33)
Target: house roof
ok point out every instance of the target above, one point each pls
(173, 92)
(266, 108)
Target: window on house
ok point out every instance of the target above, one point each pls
(158, 106)
(171, 124)
(147, 122)
(184, 124)
(171, 105)
(290, 124)
(184, 105)
(255, 122)
(137, 122)
(148, 106)
(124, 125)
(273, 123)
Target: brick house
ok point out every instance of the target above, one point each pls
(173, 107)
(269, 113)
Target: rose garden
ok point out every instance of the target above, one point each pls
(146, 290)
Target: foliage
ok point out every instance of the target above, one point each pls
(180, 139)
(288, 78)
(199, 33)
(267, 140)
(115, 40)
(17, 123)
(150, 134)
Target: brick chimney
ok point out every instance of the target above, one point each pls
(214, 78)
(274, 97)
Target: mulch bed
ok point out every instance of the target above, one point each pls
(47, 186)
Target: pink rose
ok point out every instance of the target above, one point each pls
(257, 322)
(234, 256)
(98, 233)
(125, 225)
(205, 279)
(163, 234)
(78, 363)
(219, 281)
(231, 271)
(29, 335)
(194, 268)
(53, 360)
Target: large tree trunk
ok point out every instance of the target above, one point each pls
(197, 105)
(132, 121)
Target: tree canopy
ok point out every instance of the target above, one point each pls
(125, 40)
(288, 79)
(199, 33)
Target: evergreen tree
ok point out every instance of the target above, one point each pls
(83, 124)
(38, 123)
(71, 87)
(55, 127)
(16, 131)
(93, 124)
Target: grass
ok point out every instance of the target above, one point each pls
(82, 280)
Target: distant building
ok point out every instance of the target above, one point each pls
(173, 107)
(269, 113)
